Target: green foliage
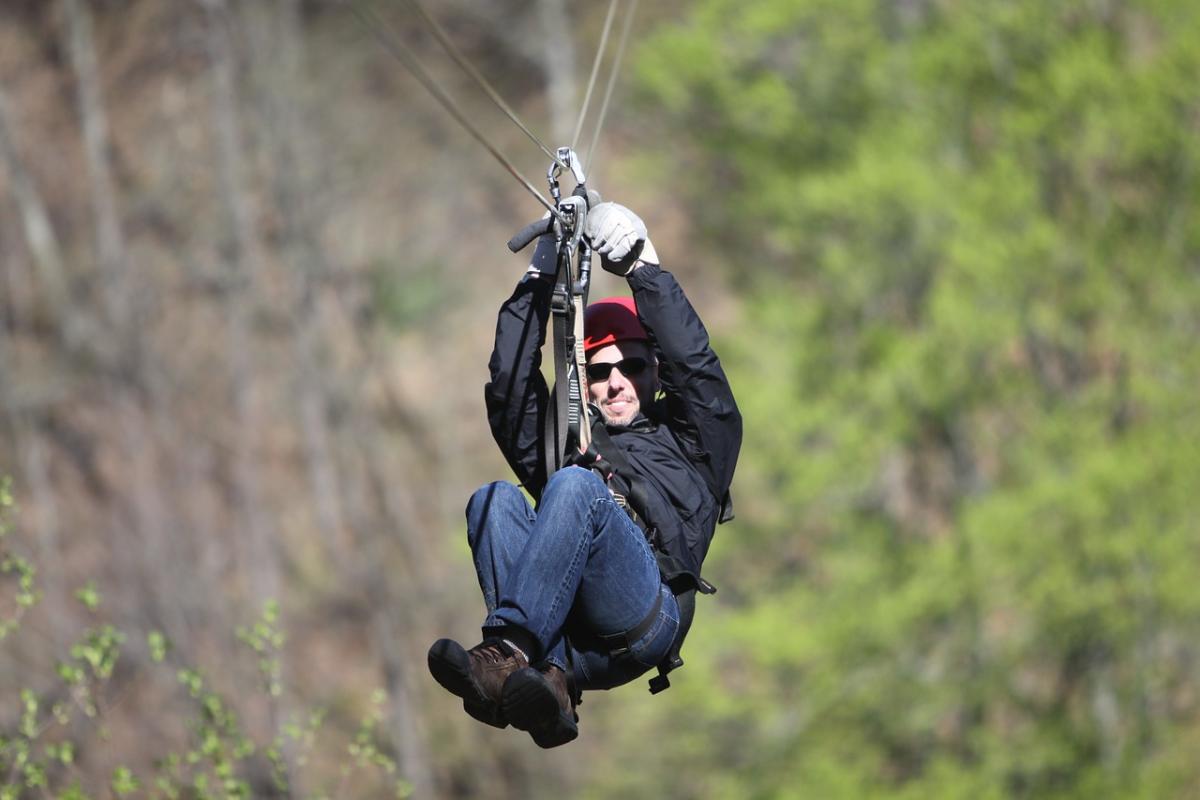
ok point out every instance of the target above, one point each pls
(89, 596)
(364, 749)
(156, 643)
(965, 238)
(366, 753)
(218, 744)
(38, 759)
(124, 782)
(7, 506)
(266, 640)
(13, 567)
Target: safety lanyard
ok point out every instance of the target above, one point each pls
(568, 430)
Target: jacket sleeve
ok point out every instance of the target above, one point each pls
(517, 396)
(700, 404)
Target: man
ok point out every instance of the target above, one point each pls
(597, 585)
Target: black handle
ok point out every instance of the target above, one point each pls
(590, 195)
(530, 232)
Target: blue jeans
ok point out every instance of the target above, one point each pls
(577, 566)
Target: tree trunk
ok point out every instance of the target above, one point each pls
(35, 222)
(110, 241)
(275, 29)
(239, 291)
(558, 66)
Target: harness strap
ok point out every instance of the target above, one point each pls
(556, 424)
(687, 612)
(618, 644)
(638, 499)
(581, 423)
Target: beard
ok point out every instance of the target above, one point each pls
(623, 417)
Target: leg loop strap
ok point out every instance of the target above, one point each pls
(618, 644)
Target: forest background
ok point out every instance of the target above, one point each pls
(948, 251)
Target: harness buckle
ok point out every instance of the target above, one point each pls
(661, 682)
(560, 302)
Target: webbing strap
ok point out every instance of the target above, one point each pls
(615, 456)
(557, 424)
(584, 432)
(569, 425)
(619, 643)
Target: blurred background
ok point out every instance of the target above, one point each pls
(949, 253)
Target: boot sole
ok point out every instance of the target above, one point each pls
(450, 666)
(529, 703)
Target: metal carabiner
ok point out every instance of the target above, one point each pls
(565, 156)
(571, 214)
(568, 157)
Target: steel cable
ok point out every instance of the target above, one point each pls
(483, 83)
(587, 98)
(590, 161)
(401, 53)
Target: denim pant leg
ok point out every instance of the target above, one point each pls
(585, 558)
(596, 668)
(499, 520)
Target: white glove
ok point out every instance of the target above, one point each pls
(619, 236)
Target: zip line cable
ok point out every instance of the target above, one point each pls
(587, 98)
(589, 161)
(468, 68)
(402, 54)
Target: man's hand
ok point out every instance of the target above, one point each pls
(619, 236)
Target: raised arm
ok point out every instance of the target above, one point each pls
(517, 397)
(700, 402)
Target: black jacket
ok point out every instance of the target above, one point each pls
(684, 447)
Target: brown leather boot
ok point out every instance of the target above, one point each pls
(541, 702)
(477, 675)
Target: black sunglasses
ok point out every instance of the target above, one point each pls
(630, 367)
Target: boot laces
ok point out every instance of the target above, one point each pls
(492, 652)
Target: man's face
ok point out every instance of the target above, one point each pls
(619, 395)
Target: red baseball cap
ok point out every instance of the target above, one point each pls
(613, 319)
